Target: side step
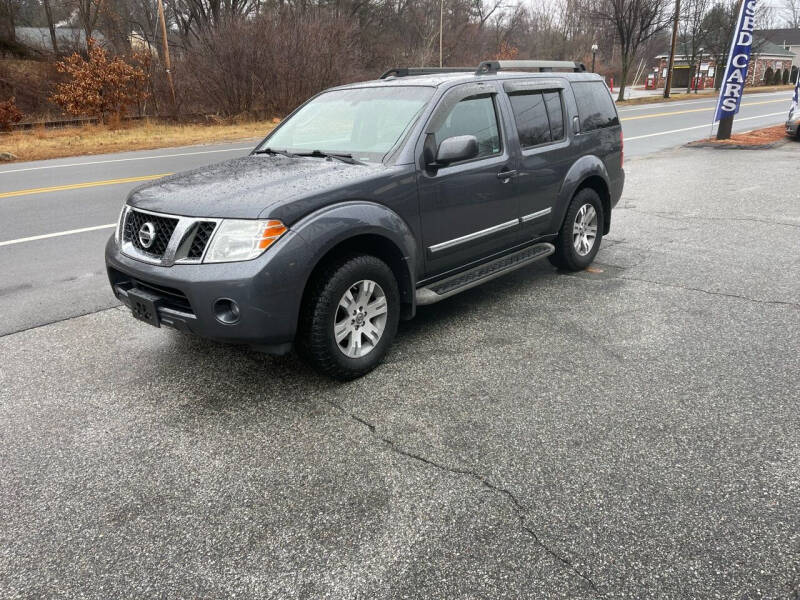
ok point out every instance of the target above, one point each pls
(482, 273)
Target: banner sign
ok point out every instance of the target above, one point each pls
(730, 94)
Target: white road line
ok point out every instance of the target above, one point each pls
(623, 109)
(118, 160)
(58, 234)
(706, 126)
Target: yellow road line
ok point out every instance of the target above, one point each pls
(78, 186)
(692, 110)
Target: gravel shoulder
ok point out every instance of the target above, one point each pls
(624, 432)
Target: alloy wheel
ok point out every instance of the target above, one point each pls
(360, 318)
(584, 230)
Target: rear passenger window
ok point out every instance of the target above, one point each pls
(476, 116)
(538, 116)
(595, 107)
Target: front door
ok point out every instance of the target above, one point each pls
(468, 209)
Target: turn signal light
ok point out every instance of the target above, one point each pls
(272, 231)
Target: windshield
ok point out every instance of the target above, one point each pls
(362, 122)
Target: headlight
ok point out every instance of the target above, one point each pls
(120, 223)
(237, 239)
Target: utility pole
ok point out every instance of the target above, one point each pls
(166, 50)
(668, 84)
(441, 20)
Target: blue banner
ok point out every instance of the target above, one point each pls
(730, 94)
(796, 97)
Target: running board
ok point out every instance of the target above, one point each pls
(482, 273)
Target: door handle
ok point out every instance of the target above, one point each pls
(507, 174)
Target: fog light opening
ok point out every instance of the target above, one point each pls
(226, 311)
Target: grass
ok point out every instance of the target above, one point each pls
(677, 97)
(41, 143)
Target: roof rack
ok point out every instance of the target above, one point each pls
(488, 67)
(410, 71)
(493, 66)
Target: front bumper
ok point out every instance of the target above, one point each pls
(268, 291)
(792, 127)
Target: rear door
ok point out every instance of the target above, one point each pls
(468, 209)
(600, 129)
(539, 115)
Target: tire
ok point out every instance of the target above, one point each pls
(567, 256)
(322, 317)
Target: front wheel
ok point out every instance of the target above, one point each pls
(350, 317)
(579, 238)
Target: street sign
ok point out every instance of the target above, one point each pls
(730, 95)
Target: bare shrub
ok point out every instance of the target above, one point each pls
(269, 64)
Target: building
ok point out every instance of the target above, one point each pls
(67, 38)
(788, 39)
(765, 55)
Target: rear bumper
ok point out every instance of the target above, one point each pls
(267, 290)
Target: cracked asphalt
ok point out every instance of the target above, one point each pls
(630, 431)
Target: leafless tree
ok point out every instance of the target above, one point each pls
(792, 11)
(692, 33)
(88, 12)
(634, 22)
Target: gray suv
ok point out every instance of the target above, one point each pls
(371, 199)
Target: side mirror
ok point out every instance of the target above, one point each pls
(454, 149)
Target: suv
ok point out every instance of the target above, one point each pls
(371, 199)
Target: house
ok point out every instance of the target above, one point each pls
(765, 55)
(788, 39)
(67, 38)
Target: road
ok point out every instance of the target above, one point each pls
(46, 279)
(626, 432)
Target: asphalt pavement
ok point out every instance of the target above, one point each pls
(60, 272)
(629, 431)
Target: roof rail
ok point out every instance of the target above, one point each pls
(493, 66)
(410, 71)
(487, 67)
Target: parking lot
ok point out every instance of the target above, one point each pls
(630, 431)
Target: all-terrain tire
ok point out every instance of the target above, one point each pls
(566, 255)
(316, 341)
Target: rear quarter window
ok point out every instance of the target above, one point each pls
(538, 116)
(595, 107)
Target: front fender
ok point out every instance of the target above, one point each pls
(585, 167)
(328, 227)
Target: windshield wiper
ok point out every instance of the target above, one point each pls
(275, 151)
(345, 158)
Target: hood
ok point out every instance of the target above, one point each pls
(253, 186)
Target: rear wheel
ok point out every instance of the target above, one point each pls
(350, 317)
(579, 238)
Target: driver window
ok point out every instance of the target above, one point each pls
(474, 115)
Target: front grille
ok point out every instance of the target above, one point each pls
(202, 233)
(163, 226)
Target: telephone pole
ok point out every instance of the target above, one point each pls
(668, 84)
(166, 50)
(441, 21)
